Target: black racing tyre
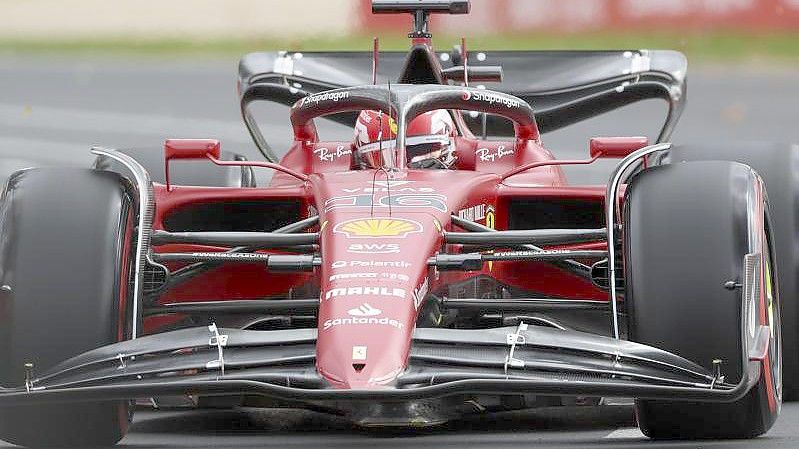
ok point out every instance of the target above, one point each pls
(778, 165)
(184, 172)
(66, 238)
(687, 229)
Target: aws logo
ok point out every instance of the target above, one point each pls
(378, 227)
(373, 248)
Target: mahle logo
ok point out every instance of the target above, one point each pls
(378, 227)
(366, 291)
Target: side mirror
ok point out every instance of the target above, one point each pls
(616, 147)
(188, 149)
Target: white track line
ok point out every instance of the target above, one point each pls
(631, 433)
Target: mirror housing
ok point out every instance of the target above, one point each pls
(616, 147)
(188, 149)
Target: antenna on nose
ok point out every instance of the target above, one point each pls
(421, 10)
(465, 62)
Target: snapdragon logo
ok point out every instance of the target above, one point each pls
(327, 96)
(490, 98)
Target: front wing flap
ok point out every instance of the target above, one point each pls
(443, 362)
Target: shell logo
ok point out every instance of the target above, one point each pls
(378, 227)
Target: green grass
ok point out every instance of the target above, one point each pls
(716, 46)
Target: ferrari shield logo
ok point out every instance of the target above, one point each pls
(378, 227)
(359, 353)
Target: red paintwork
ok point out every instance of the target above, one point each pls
(616, 146)
(124, 278)
(122, 409)
(532, 165)
(763, 318)
(191, 148)
(369, 276)
(422, 41)
(260, 164)
(419, 197)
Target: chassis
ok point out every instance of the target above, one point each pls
(506, 287)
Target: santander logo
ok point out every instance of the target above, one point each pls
(365, 310)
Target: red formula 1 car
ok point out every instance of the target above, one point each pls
(437, 265)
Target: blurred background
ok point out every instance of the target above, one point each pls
(708, 29)
(134, 72)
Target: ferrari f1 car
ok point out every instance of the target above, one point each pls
(407, 278)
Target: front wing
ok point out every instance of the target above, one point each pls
(279, 365)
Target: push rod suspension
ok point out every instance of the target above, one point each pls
(520, 237)
(578, 269)
(259, 239)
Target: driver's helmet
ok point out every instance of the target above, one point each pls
(428, 139)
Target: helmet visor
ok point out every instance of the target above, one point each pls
(417, 148)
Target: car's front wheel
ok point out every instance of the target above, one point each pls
(66, 238)
(699, 272)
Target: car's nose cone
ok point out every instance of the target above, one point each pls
(374, 269)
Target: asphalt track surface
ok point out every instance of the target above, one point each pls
(53, 109)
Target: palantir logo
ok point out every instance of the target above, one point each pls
(364, 310)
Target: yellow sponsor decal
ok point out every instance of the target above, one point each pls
(770, 297)
(378, 227)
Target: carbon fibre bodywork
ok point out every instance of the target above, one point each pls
(280, 365)
(597, 81)
(372, 292)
